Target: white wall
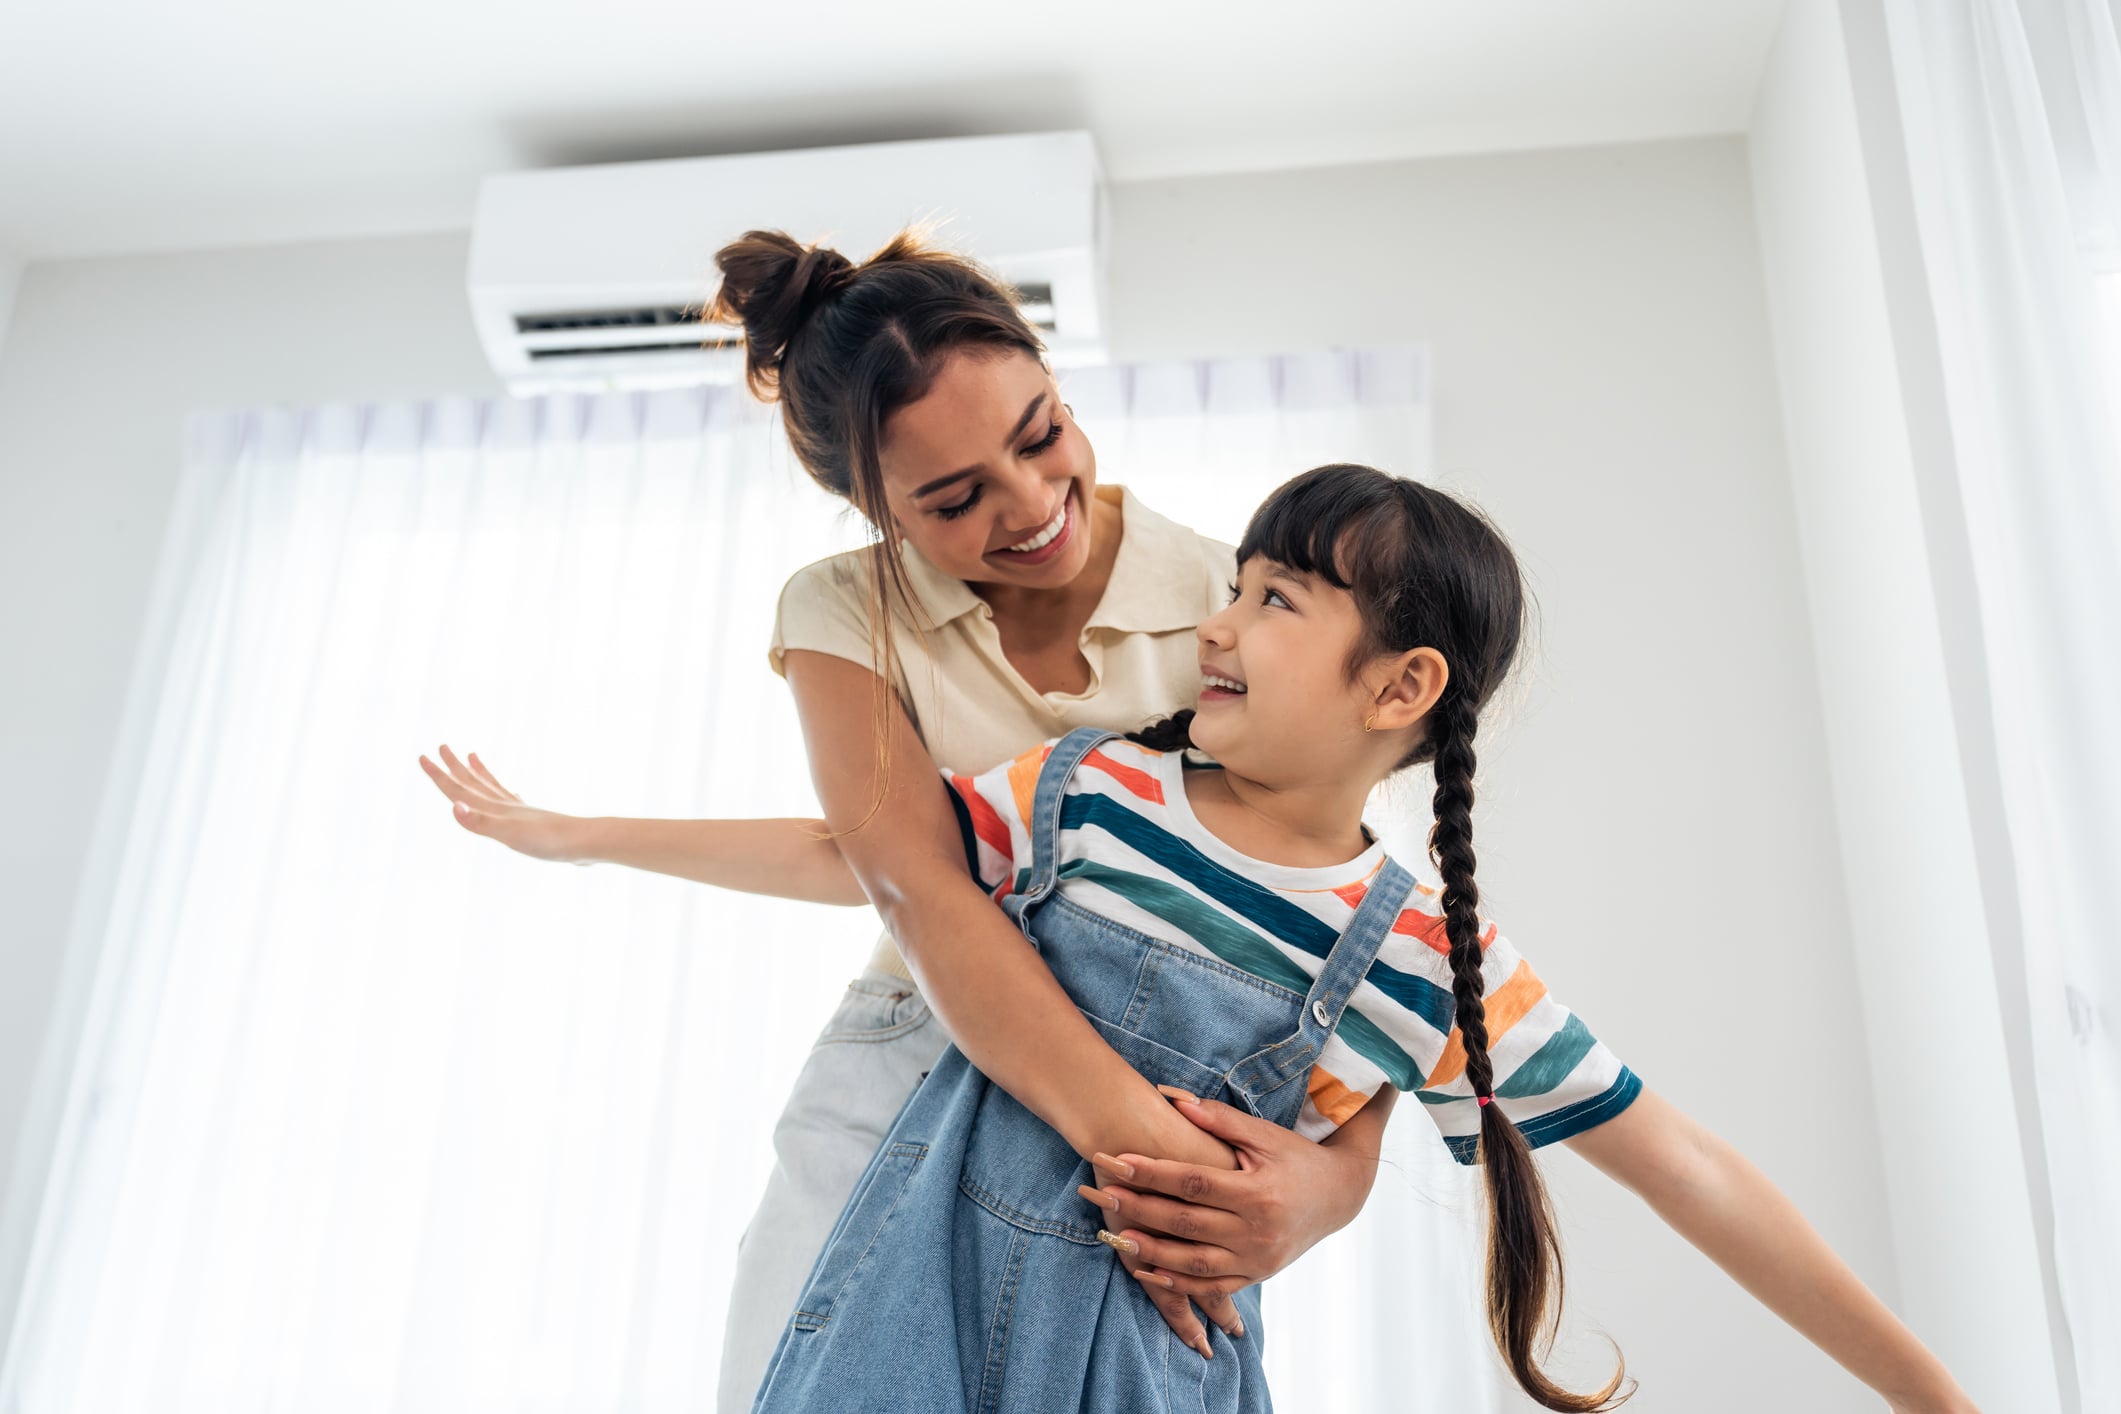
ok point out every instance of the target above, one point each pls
(1657, 828)
(1961, 1208)
(10, 277)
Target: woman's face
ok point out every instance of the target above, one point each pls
(989, 477)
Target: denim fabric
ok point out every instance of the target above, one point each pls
(864, 1066)
(965, 1273)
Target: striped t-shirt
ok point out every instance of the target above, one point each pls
(1132, 851)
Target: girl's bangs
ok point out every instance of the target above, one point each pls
(1323, 523)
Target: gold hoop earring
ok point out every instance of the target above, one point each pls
(1367, 720)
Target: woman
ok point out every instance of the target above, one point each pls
(1007, 601)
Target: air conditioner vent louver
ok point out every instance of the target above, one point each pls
(608, 318)
(607, 350)
(592, 278)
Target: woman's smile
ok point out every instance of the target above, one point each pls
(1048, 540)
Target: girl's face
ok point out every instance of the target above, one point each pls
(987, 475)
(1276, 704)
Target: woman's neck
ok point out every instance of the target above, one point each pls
(1310, 827)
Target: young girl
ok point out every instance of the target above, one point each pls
(1237, 933)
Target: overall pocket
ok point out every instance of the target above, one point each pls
(870, 1207)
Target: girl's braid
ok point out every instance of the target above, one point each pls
(1451, 844)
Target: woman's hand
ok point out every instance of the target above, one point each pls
(1202, 1234)
(486, 807)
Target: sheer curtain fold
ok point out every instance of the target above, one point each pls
(345, 1109)
(2012, 115)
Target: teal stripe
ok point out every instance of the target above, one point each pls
(1564, 1123)
(1244, 949)
(1262, 907)
(1547, 1067)
(1367, 1041)
(1551, 1063)
(1584, 1114)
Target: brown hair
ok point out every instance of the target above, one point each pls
(844, 346)
(1427, 570)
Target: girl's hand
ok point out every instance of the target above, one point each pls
(1205, 1233)
(486, 807)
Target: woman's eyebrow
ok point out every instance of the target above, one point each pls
(1015, 432)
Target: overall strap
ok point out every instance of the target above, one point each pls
(1045, 821)
(1267, 1070)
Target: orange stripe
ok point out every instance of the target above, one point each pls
(1331, 1098)
(1023, 781)
(986, 821)
(1429, 928)
(1137, 781)
(1504, 1007)
(1353, 894)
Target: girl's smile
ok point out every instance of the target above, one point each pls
(1218, 686)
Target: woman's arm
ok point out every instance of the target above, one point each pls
(1713, 1197)
(993, 993)
(783, 858)
(1209, 1233)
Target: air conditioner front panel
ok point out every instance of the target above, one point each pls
(625, 250)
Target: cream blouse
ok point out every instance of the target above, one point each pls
(970, 707)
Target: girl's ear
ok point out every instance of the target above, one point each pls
(1413, 682)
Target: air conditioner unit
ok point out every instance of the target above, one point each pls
(593, 278)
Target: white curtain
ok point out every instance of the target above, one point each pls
(2012, 115)
(345, 1108)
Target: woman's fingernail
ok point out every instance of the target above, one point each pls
(1177, 1094)
(1124, 1170)
(1110, 1203)
(1236, 1332)
(1207, 1351)
(1158, 1277)
(1122, 1244)
(1099, 1196)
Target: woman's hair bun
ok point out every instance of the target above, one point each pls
(770, 285)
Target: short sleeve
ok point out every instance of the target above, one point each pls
(993, 809)
(823, 608)
(1552, 1077)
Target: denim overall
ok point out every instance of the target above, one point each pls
(965, 1273)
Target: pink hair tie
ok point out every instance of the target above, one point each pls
(1484, 1098)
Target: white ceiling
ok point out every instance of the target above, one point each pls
(135, 125)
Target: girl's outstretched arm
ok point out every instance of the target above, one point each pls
(1716, 1199)
(783, 858)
